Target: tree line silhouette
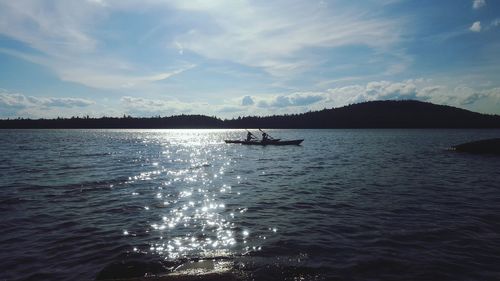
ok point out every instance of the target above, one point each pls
(374, 114)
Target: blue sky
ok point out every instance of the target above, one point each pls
(233, 57)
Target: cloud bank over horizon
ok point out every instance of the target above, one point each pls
(298, 102)
(236, 57)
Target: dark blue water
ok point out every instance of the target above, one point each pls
(346, 205)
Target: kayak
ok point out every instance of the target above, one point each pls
(269, 142)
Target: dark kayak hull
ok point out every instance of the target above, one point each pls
(289, 142)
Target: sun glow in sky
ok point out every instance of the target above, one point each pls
(235, 57)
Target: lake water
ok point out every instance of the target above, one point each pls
(345, 205)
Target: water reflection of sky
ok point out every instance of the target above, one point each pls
(189, 199)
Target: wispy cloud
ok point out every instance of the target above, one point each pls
(256, 35)
(62, 36)
(99, 2)
(53, 28)
(179, 47)
(75, 41)
(107, 80)
(105, 73)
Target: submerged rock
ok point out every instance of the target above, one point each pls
(130, 270)
(206, 270)
(481, 146)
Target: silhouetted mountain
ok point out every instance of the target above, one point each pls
(374, 114)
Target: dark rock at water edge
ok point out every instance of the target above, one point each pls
(491, 146)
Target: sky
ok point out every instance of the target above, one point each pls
(230, 58)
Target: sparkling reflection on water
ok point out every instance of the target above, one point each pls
(187, 199)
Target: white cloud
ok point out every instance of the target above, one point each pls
(390, 90)
(164, 107)
(477, 4)
(415, 89)
(340, 96)
(475, 27)
(300, 99)
(145, 103)
(17, 100)
(17, 104)
(418, 89)
(248, 105)
(495, 22)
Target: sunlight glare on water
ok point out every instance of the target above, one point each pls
(186, 200)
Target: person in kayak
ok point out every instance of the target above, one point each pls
(250, 136)
(265, 137)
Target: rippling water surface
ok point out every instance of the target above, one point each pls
(346, 205)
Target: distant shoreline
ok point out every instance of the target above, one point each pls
(263, 128)
(407, 114)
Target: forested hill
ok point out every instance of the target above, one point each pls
(374, 114)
